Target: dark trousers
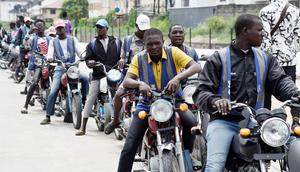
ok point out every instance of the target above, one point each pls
(20, 58)
(136, 133)
(33, 86)
(291, 71)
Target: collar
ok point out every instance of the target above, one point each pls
(164, 56)
(239, 52)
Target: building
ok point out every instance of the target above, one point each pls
(101, 8)
(51, 9)
(192, 12)
(9, 9)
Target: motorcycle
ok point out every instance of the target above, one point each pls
(44, 71)
(4, 55)
(108, 87)
(162, 141)
(70, 99)
(264, 137)
(199, 150)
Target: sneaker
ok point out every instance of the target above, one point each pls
(111, 127)
(23, 92)
(45, 121)
(80, 133)
(24, 111)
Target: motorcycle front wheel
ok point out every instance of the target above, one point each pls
(76, 110)
(170, 163)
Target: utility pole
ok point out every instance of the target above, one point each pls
(158, 6)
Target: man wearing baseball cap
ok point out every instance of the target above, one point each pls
(63, 48)
(132, 44)
(104, 49)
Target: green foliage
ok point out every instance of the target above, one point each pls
(161, 22)
(216, 23)
(132, 18)
(109, 17)
(76, 9)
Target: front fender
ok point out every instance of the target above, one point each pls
(167, 146)
(294, 156)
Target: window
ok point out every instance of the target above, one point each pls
(52, 11)
(186, 3)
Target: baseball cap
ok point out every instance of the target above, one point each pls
(51, 30)
(27, 19)
(102, 22)
(60, 23)
(143, 22)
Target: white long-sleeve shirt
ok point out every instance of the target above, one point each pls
(64, 46)
(285, 42)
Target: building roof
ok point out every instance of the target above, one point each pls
(53, 4)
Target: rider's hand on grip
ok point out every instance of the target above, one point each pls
(173, 85)
(223, 106)
(91, 63)
(145, 89)
(121, 63)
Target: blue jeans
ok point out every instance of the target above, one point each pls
(56, 84)
(219, 137)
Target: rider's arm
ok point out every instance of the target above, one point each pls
(182, 60)
(280, 84)
(89, 54)
(130, 80)
(50, 54)
(77, 48)
(207, 92)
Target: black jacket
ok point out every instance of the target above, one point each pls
(243, 82)
(109, 59)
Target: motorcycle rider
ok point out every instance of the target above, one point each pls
(177, 35)
(251, 79)
(39, 43)
(62, 47)
(156, 57)
(19, 41)
(104, 49)
(132, 44)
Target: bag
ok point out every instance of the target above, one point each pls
(282, 16)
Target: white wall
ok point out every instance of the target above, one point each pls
(5, 7)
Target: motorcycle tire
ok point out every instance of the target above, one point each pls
(76, 110)
(199, 151)
(43, 101)
(67, 115)
(108, 112)
(170, 163)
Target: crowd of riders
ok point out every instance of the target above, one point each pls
(243, 72)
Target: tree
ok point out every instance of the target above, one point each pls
(76, 9)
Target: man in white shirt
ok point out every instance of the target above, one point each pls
(63, 48)
(283, 41)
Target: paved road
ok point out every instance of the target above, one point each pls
(27, 146)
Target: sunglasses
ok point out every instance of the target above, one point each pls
(100, 27)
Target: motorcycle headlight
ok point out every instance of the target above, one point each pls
(161, 110)
(73, 72)
(275, 132)
(188, 92)
(114, 75)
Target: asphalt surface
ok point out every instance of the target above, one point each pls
(27, 146)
